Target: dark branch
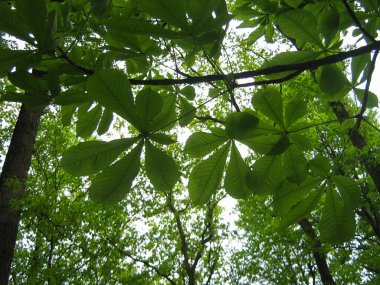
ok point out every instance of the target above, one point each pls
(298, 67)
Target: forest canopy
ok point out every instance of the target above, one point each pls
(126, 125)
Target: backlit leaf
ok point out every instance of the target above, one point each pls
(112, 90)
(266, 175)
(269, 102)
(92, 156)
(235, 181)
(148, 105)
(300, 25)
(206, 177)
(200, 144)
(114, 182)
(239, 125)
(161, 168)
(337, 223)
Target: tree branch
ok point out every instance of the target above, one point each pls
(299, 67)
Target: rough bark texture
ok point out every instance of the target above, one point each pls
(319, 256)
(12, 178)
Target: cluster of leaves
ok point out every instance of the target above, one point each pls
(76, 50)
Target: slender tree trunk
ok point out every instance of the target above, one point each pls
(319, 256)
(12, 184)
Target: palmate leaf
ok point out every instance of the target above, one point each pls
(235, 181)
(88, 121)
(266, 175)
(328, 22)
(300, 25)
(289, 194)
(167, 118)
(320, 165)
(372, 99)
(331, 80)
(105, 122)
(240, 125)
(114, 182)
(294, 164)
(161, 168)
(90, 157)
(337, 223)
(301, 209)
(148, 105)
(11, 24)
(162, 138)
(358, 63)
(187, 113)
(289, 57)
(348, 189)
(111, 88)
(21, 59)
(295, 110)
(206, 176)
(200, 144)
(268, 144)
(269, 102)
(141, 27)
(188, 92)
(172, 11)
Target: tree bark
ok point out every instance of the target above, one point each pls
(12, 184)
(319, 256)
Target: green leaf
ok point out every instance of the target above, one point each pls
(348, 189)
(187, 113)
(235, 181)
(172, 11)
(301, 209)
(21, 59)
(88, 121)
(295, 110)
(269, 102)
(372, 100)
(201, 144)
(294, 164)
(29, 83)
(114, 182)
(167, 118)
(90, 157)
(289, 194)
(300, 25)
(161, 168)
(189, 92)
(328, 22)
(337, 223)
(320, 165)
(34, 15)
(239, 125)
(293, 3)
(268, 144)
(11, 23)
(332, 80)
(72, 96)
(98, 7)
(358, 63)
(289, 57)
(300, 141)
(266, 176)
(112, 90)
(67, 113)
(162, 138)
(148, 105)
(31, 100)
(127, 26)
(206, 176)
(105, 122)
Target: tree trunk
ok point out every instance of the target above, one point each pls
(319, 256)
(12, 184)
